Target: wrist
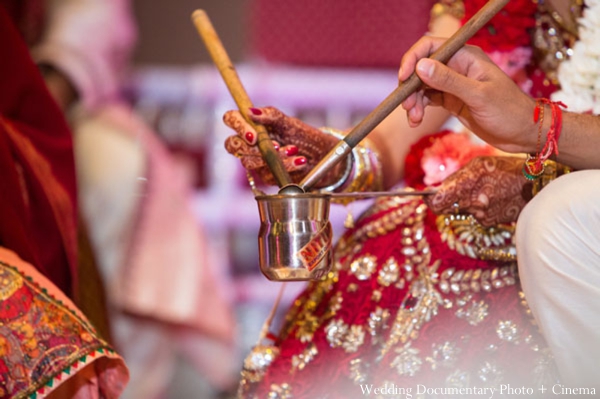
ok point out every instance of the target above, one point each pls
(538, 122)
(360, 172)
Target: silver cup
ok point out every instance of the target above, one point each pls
(295, 237)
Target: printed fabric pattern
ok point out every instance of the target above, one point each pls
(44, 340)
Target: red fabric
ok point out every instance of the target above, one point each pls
(337, 33)
(508, 29)
(413, 173)
(28, 17)
(329, 374)
(38, 192)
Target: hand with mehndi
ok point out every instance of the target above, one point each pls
(492, 189)
(299, 145)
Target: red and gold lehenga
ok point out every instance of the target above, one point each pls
(419, 304)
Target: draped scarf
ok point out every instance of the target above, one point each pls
(37, 184)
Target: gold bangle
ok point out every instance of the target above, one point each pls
(455, 8)
(364, 171)
(552, 170)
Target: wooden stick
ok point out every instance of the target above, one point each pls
(401, 93)
(228, 73)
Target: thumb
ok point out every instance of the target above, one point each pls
(439, 77)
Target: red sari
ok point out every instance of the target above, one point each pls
(37, 205)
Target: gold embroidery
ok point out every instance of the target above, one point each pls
(443, 355)
(257, 362)
(363, 267)
(300, 361)
(350, 338)
(10, 282)
(283, 391)
(420, 306)
(508, 331)
(463, 234)
(407, 361)
(377, 323)
(457, 282)
(474, 312)
(358, 374)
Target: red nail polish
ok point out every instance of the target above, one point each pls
(299, 161)
(293, 150)
(276, 145)
(250, 137)
(256, 111)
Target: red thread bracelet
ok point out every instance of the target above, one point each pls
(534, 165)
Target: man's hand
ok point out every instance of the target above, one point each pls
(473, 89)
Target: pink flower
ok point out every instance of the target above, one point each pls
(438, 168)
(448, 154)
(511, 62)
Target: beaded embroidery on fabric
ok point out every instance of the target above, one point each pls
(555, 36)
(409, 288)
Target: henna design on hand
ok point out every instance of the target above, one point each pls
(489, 188)
(312, 144)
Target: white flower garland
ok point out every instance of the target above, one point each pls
(580, 75)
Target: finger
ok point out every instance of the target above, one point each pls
(237, 122)
(249, 156)
(424, 47)
(236, 146)
(483, 218)
(415, 116)
(253, 162)
(409, 102)
(440, 77)
(265, 115)
(451, 103)
(293, 164)
(419, 109)
(415, 108)
(444, 201)
(289, 150)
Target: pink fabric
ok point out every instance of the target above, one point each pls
(90, 42)
(166, 272)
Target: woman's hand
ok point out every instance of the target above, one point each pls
(492, 189)
(299, 145)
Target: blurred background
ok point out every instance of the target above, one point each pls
(328, 62)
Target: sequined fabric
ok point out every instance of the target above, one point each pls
(402, 307)
(416, 298)
(554, 37)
